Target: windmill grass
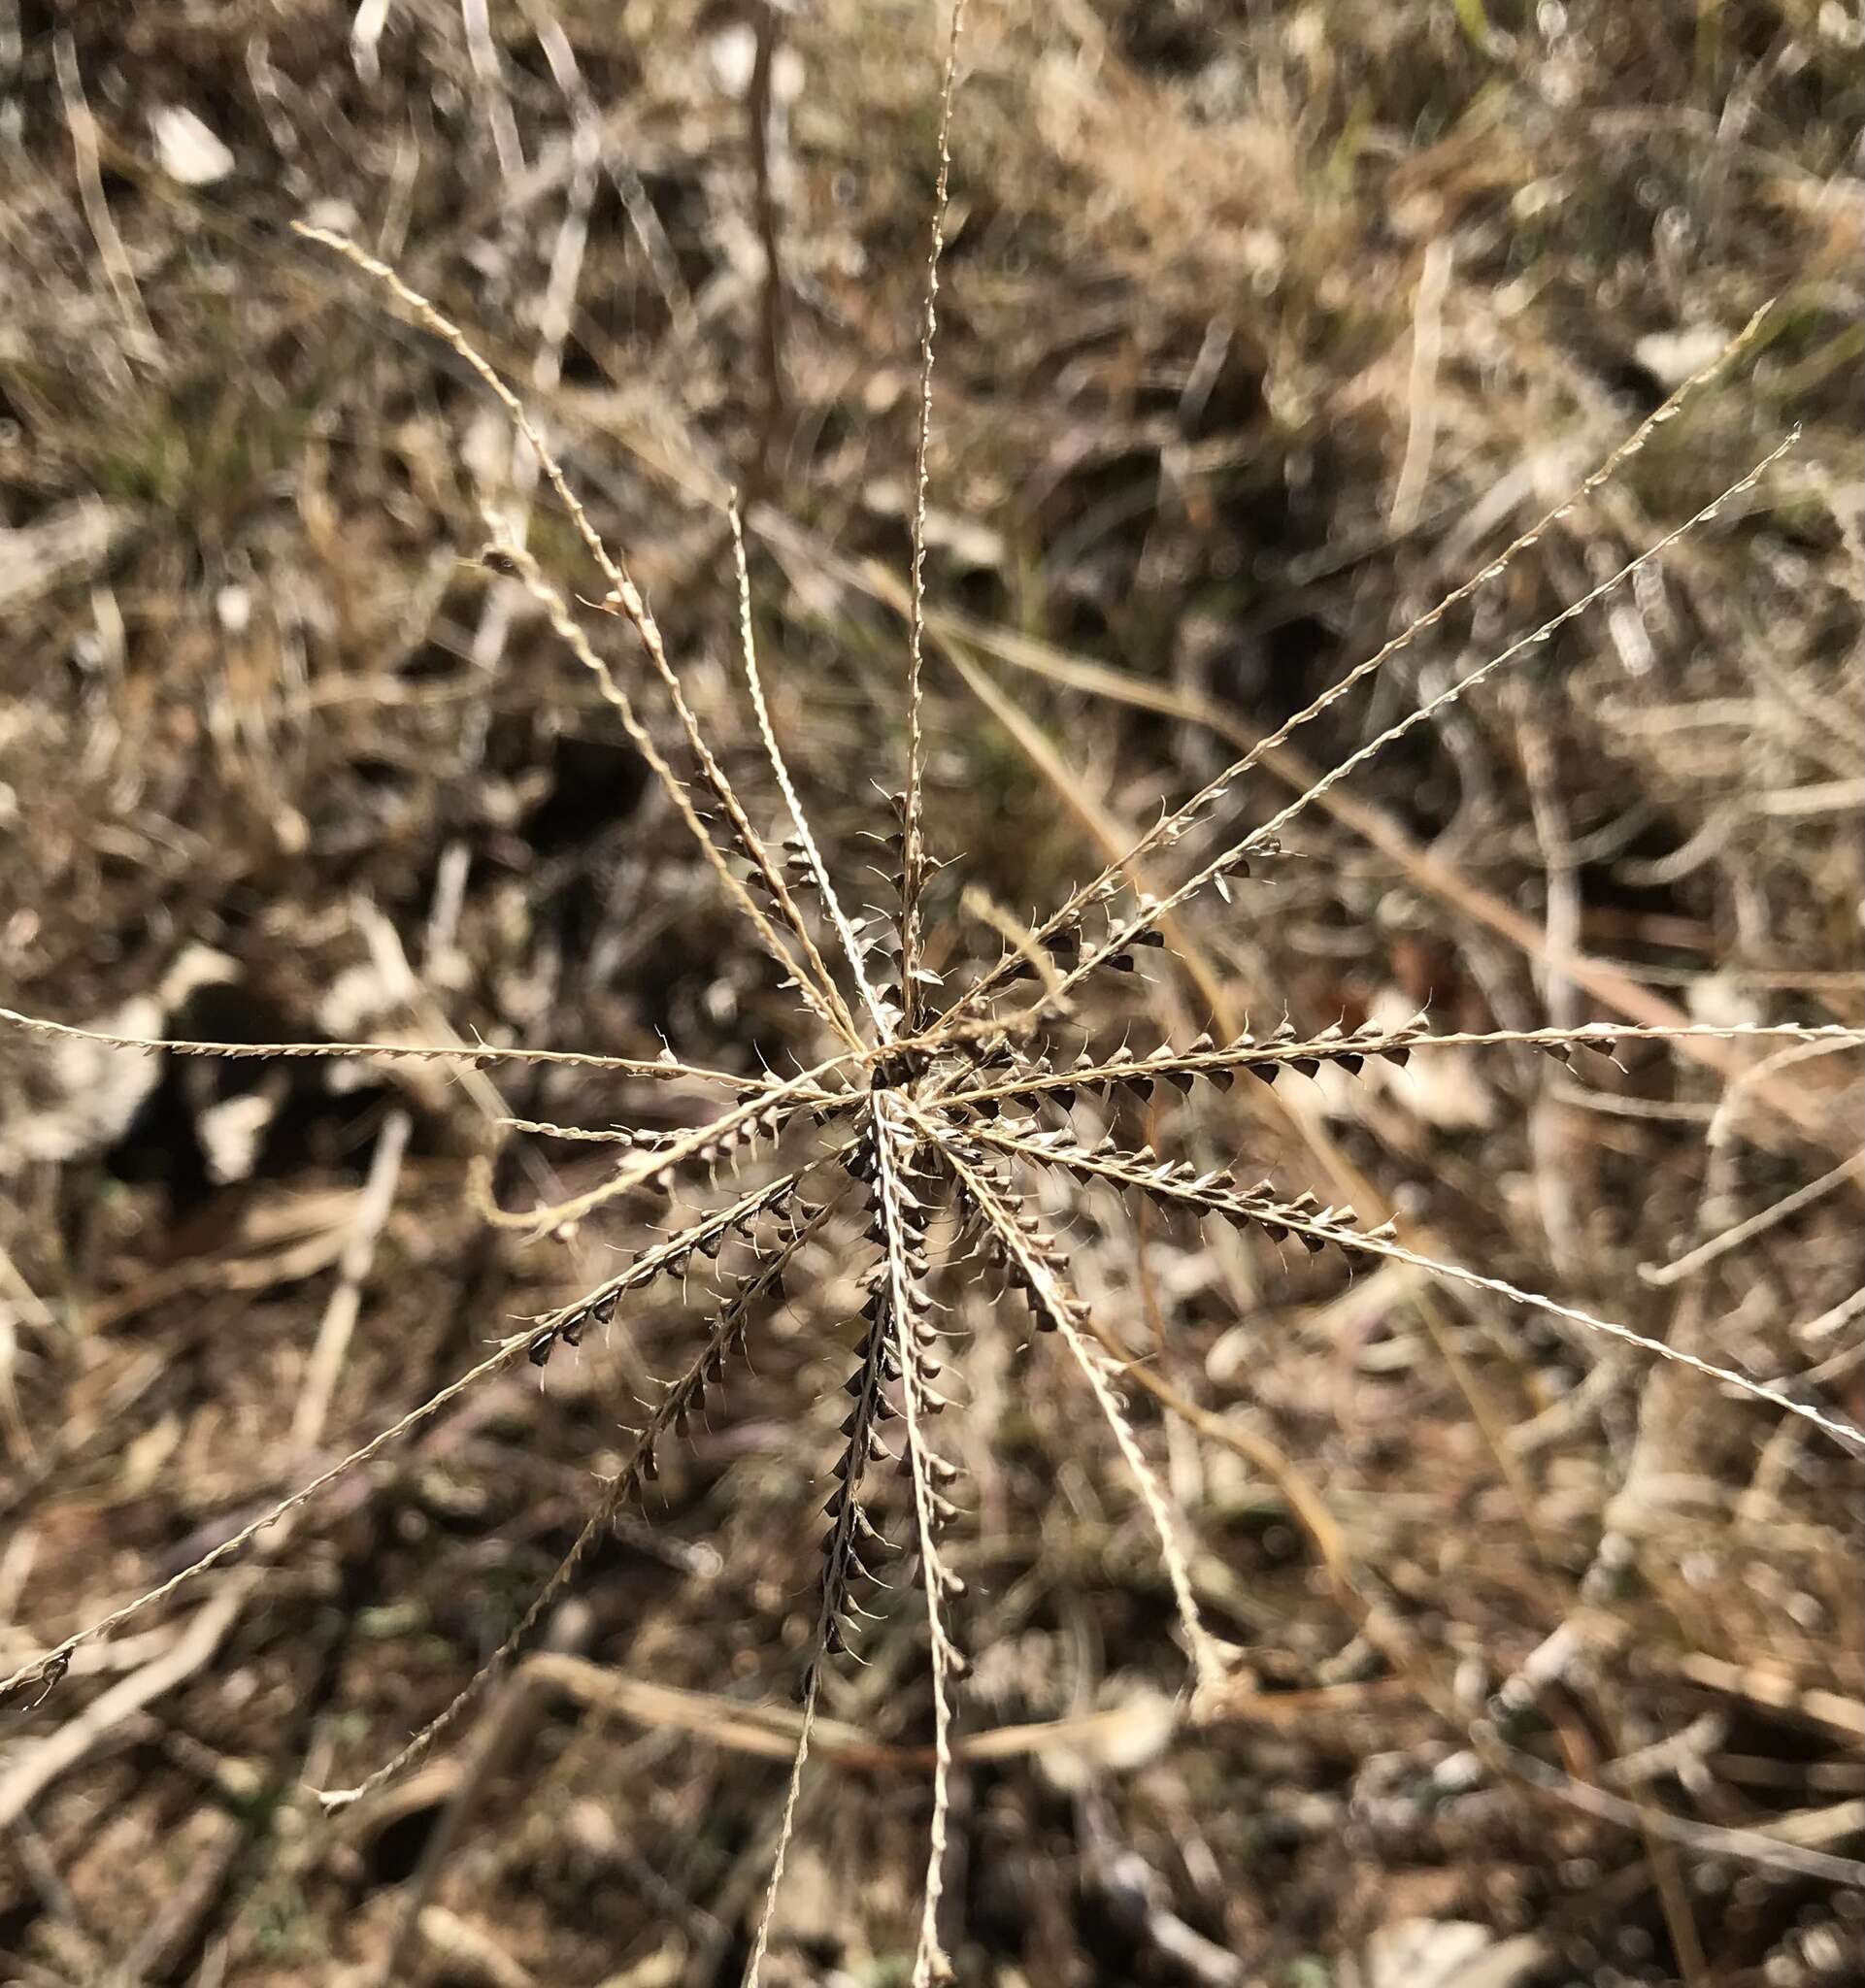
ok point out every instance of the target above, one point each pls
(939, 1123)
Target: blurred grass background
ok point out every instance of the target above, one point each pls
(1261, 327)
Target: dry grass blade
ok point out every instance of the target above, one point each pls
(979, 904)
(806, 836)
(1265, 1057)
(1127, 931)
(817, 988)
(1173, 826)
(479, 1054)
(913, 860)
(1183, 1187)
(850, 1529)
(652, 1167)
(819, 993)
(907, 1304)
(1483, 670)
(823, 1105)
(535, 1343)
(785, 1831)
(1035, 1265)
(672, 1256)
(1431, 871)
(1054, 769)
(1733, 1238)
(49, 1668)
(684, 1397)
